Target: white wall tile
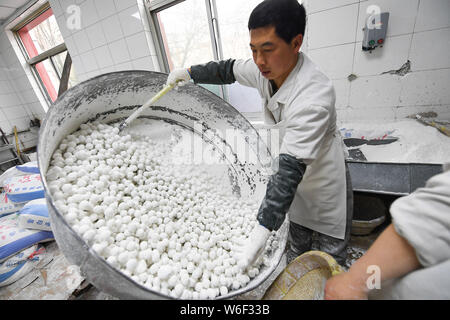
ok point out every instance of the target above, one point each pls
(78, 64)
(5, 87)
(124, 4)
(319, 5)
(104, 8)
(402, 15)
(433, 14)
(9, 100)
(131, 22)
(96, 35)
(112, 28)
(21, 123)
(71, 46)
(103, 57)
(376, 114)
(119, 51)
(88, 13)
(430, 49)
(145, 63)
(336, 61)
(81, 41)
(378, 91)
(56, 8)
(426, 88)
(391, 56)
(443, 111)
(5, 125)
(333, 27)
(138, 46)
(124, 66)
(342, 89)
(89, 62)
(15, 112)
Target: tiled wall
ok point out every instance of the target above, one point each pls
(418, 31)
(114, 36)
(19, 103)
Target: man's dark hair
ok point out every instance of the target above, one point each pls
(287, 16)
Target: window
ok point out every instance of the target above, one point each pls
(44, 49)
(197, 31)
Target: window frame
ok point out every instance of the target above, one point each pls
(35, 18)
(153, 7)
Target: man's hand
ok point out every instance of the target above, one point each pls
(179, 77)
(346, 286)
(248, 251)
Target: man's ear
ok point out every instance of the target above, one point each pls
(297, 42)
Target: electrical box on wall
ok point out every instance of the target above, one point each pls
(375, 31)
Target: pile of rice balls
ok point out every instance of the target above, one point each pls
(170, 228)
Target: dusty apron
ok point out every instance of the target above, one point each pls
(320, 202)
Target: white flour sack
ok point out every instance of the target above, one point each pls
(20, 170)
(20, 264)
(34, 215)
(22, 189)
(14, 239)
(7, 206)
(28, 168)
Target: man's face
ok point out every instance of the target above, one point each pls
(274, 57)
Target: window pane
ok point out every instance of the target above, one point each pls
(233, 25)
(41, 34)
(185, 32)
(49, 78)
(59, 60)
(46, 35)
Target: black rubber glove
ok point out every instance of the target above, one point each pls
(214, 72)
(280, 191)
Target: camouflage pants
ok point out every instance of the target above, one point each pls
(302, 239)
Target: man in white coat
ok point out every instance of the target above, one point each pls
(312, 184)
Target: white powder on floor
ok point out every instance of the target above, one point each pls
(417, 143)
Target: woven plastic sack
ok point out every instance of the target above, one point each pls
(14, 239)
(34, 215)
(7, 207)
(21, 189)
(20, 264)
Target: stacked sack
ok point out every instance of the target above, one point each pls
(24, 222)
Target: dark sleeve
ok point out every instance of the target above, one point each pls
(280, 191)
(214, 72)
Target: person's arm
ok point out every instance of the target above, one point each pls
(280, 192)
(391, 253)
(213, 72)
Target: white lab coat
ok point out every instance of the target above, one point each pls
(423, 219)
(303, 110)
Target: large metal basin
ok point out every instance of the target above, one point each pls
(114, 96)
